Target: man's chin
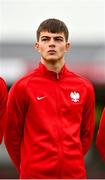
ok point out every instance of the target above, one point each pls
(51, 60)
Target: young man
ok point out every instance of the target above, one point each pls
(3, 102)
(50, 113)
(100, 139)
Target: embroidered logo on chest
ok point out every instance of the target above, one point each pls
(40, 97)
(75, 96)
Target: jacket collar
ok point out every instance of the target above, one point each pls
(51, 74)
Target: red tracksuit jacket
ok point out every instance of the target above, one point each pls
(50, 124)
(100, 140)
(3, 101)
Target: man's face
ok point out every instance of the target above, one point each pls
(52, 46)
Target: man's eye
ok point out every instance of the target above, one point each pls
(59, 39)
(44, 39)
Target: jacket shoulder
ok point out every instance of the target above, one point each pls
(82, 80)
(2, 82)
(25, 79)
(3, 86)
(23, 82)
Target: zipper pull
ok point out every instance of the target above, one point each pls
(57, 75)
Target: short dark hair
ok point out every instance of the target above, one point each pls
(54, 26)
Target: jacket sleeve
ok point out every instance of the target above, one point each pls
(88, 120)
(100, 139)
(3, 102)
(15, 123)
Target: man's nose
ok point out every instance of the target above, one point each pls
(52, 43)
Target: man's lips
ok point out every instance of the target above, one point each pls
(51, 51)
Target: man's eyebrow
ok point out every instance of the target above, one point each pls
(59, 37)
(45, 37)
(53, 37)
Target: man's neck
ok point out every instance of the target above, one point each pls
(53, 66)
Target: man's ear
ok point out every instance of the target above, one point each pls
(68, 46)
(36, 45)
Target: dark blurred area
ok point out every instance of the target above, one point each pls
(88, 60)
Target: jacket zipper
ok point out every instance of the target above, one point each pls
(60, 133)
(57, 75)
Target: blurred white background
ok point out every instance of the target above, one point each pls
(84, 18)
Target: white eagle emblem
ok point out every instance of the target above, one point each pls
(75, 96)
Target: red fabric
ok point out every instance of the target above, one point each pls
(100, 140)
(3, 101)
(50, 124)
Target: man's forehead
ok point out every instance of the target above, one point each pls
(49, 34)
